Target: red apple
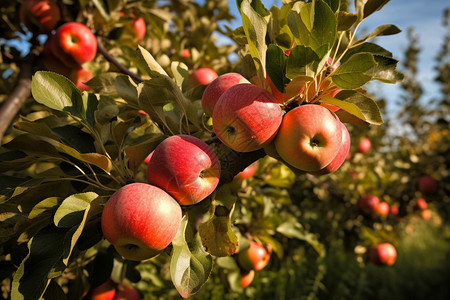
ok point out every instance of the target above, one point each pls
(39, 16)
(365, 145)
(79, 77)
(185, 167)
(105, 291)
(340, 157)
(217, 87)
(140, 220)
(421, 204)
(255, 257)
(427, 185)
(247, 278)
(382, 209)
(74, 44)
(185, 53)
(368, 203)
(383, 254)
(247, 172)
(426, 214)
(202, 76)
(126, 292)
(309, 137)
(135, 27)
(281, 97)
(246, 117)
(394, 210)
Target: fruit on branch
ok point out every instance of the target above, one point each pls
(125, 291)
(368, 203)
(74, 44)
(309, 138)
(382, 209)
(217, 87)
(421, 204)
(202, 76)
(246, 117)
(340, 157)
(140, 220)
(255, 257)
(248, 172)
(79, 77)
(383, 254)
(135, 28)
(394, 210)
(39, 16)
(364, 145)
(247, 278)
(427, 185)
(185, 167)
(105, 291)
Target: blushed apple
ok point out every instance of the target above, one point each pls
(134, 28)
(364, 145)
(382, 209)
(248, 172)
(255, 257)
(80, 77)
(217, 87)
(247, 278)
(421, 204)
(368, 203)
(140, 220)
(246, 117)
(105, 291)
(309, 138)
(427, 185)
(39, 16)
(383, 254)
(185, 167)
(202, 76)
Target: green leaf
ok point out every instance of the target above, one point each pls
(276, 62)
(365, 8)
(333, 4)
(345, 20)
(190, 265)
(293, 229)
(71, 210)
(302, 61)
(148, 63)
(385, 70)
(352, 73)
(45, 205)
(368, 48)
(387, 29)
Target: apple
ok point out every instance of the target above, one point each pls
(394, 210)
(281, 97)
(427, 185)
(246, 117)
(255, 257)
(247, 278)
(383, 254)
(309, 138)
(126, 292)
(39, 16)
(140, 220)
(74, 44)
(135, 27)
(185, 167)
(382, 209)
(421, 204)
(364, 145)
(217, 87)
(202, 76)
(426, 214)
(185, 53)
(105, 291)
(248, 172)
(340, 157)
(79, 77)
(368, 203)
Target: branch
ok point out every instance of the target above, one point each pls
(235, 162)
(12, 105)
(103, 51)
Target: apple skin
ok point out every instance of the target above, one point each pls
(39, 16)
(185, 167)
(140, 220)
(340, 157)
(202, 76)
(217, 87)
(365, 145)
(383, 254)
(247, 278)
(421, 204)
(368, 203)
(427, 185)
(246, 117)
(79, 77)
(138, 28)
(309, 138)
(105, 291)
(74, 44)
(126, 292)
(382, 209)
(248, 172)
(255, 257)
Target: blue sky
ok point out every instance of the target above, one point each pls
(425, 17)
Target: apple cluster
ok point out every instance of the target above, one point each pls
(371, 205)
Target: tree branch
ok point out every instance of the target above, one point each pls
(11, 106)
(235, 162)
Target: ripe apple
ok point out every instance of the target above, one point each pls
(140, 220)
(126, 292)
(79, 77)
(364, 145)
(39, 16)
(394, 210)
(421, 204)
(426, 214)
(427, 185)
(105, 291)
(255, 257)
(74, 44)
(135, 27)
(340, 157)
(247, 278)
(309, 138)
(382, 209)
(217, 87)
(202, 76)
(246, 117)
(247, 172)
(368, 203)
(185, 167)
(383, 254)
(185, 53)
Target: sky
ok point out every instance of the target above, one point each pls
(425, 17)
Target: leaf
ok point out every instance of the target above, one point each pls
(276, 62)
(302, 61)
(45, 205)
(148, 63)
(180, 72)
(333, 4)
(292, 229)
(114, 85)
(365, 8)
(352, 73)
(368, 48)
(72, 208)
(385, 70)
(387, 29)
(190, 265)
(345, 20)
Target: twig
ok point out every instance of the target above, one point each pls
(235, 162)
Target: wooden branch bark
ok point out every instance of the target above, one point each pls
(235, 162)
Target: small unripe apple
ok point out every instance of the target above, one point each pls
(185, 167)
(365, 145)
(383, 254)
(202, 76)
(74, 44)
(255, 257)
(382, 209)
(368, 203)
(247, 278)
(140, 220)
(105, 291)
(421, 204)
(217, 87)
(427, 185)
(309, 138)
(39, 16)
(246, 117)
